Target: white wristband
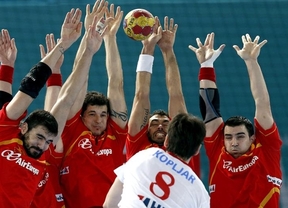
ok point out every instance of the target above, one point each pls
(209, 62)
(145, 63)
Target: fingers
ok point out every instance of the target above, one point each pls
(236, 48)
(199, 42)
(106, 22)
(221, 47)
(111, 10)
(42, 51)
(211, 40)
(171, 26)
(88, 9)
(192, 48)
(156, 25)
(69, 16)
(96, 5)
(207, 40)
(248, 38)
(159, 31)
(262, 43)
(77, 16)
(13, 44)
(79, 27)
(166, 23)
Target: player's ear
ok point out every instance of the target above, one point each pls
(23, 127)
(252, 138)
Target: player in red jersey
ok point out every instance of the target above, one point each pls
(96, 130)
(22, 148)
(48, 188)
(244, 163)
(147, 131)
(49, 192)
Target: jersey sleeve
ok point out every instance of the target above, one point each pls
(120, 172)
(214, 143)
(269, 137)
(134, 143)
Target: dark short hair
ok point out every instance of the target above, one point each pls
(238, 121)
(159, 112)
(185, 134)
(95, 98)
(42, 118)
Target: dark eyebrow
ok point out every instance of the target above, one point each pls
(239, 133)
(41, 135)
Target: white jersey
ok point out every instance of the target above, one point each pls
(154, 178)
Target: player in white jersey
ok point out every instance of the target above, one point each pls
(158, 178)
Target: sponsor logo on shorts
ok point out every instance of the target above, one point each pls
(14, 156)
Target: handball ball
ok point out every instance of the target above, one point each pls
(138, 24)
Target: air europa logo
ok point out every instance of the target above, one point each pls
(228, 165)
(13, 156)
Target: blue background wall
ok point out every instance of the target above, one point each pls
(29, 21)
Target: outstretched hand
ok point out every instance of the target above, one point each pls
(168, 35)
(115, 22)
(251, 49)
(98, 10)
(94, 37)
(50, 44)
(8, 50)
(206, 52)
(71, 28)
(155, 36)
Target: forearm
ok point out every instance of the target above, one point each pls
(79, 76)
(141, 103)
(257, 82)
(53, 56)
(176, 103)
(113, 62)
(263, 112)
(173, 80)
(209, 100)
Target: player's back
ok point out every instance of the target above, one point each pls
(159, 179)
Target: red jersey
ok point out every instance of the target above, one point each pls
(20, 174)
(252, 180)
(141, 141)
(89, 162)
(49, 193)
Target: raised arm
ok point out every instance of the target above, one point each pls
(176, 102)
(8, 54)
(209, 96)
(249, 53)
(141, 104)
(97, 11)
(115, 91)
(34, 81)
(54, 82)
(92, 41)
